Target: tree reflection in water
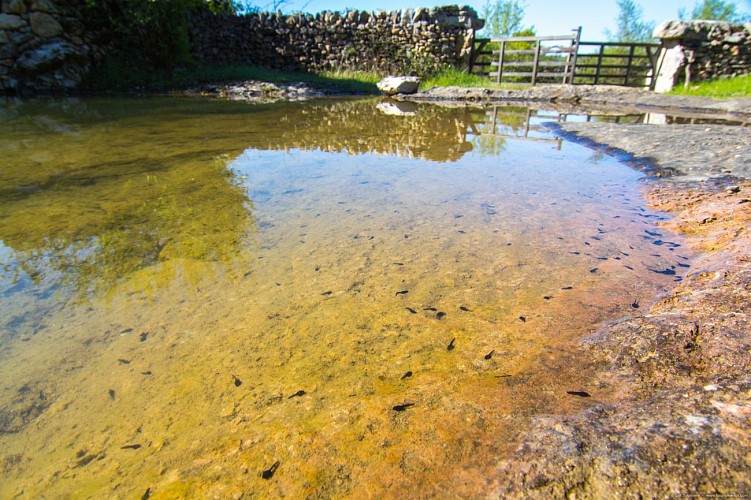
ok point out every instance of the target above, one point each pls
(94, 191)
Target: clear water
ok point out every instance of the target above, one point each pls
(192, 291)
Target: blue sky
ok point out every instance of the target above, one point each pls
(549, 17)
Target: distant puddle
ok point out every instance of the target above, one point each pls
(327, 299)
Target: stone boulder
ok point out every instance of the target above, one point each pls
(11, 22)
(392, 85)
(45, 25)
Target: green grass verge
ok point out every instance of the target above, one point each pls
(739, 86)
(454, 77)
(117, 78)
(114, 77)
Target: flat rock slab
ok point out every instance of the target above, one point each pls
(739, 108)
(694, 152)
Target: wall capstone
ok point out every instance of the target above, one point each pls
(693, 51)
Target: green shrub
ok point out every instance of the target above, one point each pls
(145, 33)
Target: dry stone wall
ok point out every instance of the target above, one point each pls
(43, 45)
(694, 51)
(400, 41)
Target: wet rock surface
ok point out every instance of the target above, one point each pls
(688, 151)
(683, 427)
(592, 96)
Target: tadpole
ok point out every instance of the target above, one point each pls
(407, 375)
(450, 347)
(269, 473)
(490, 354)
(411, 310)
(402, 406)
(238, 382)
(402, 292)
(581, 394)
(297, 394)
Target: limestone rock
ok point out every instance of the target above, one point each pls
(43, 6)
(688, 30)
(44, 25)
(392, 85)
(11, 22)
(50, 56)
(14, 7)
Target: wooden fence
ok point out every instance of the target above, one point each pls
(565, 59)
(612, 63)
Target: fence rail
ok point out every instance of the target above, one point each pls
(534, 59)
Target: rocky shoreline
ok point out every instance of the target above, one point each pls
(684, 425)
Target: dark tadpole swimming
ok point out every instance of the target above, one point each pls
(407, 375)
(581, 394)
(238, 382)
(450, 347)
(297, 394)
(490, 354)
(402, 406)
(269, 473)
(402, 292)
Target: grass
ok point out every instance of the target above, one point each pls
(116, 77)
(454, 77)
(739, 86)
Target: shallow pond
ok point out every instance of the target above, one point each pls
(325, 299)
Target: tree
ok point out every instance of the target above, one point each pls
(629, 24)
(715, 10)
(503, 18)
